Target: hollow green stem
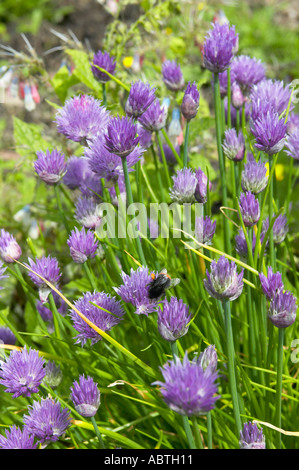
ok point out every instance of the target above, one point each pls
(60, 208)
(271, 241)
(231, 365)
(198, 440)
(104, 94)
(217, 104)
(178, 158)
(210, 430)
(97, 431)
(185, 156)
(229, 119)
(165, 166)
(89, 276)
(279, 383)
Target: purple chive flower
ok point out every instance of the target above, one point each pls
(53, 374)
(9, 247)
(86, 213)
(7, 336)
(47, 420)
(120, 137)
(248, 71)
(108, 165)
(254, 175)
(271, 284)
(83, 245)
(154, 117)
(280, 228)
(241, 244)
(250, 209)
(223, 82)
(220, 46)
(224, 282)
(47, 267)
(237, 96)
(134, 290)
(188, 389)
(77, 170)
(85, 396)
(184, 185)
(293, 123)
(204, 230)
(201, 189)
(145, 136)
(269, 132)
(272, 93)
(251, 437)
(173, 319)
(50, 166)
(22, 372)
(100, 315)
(292, 144)
(208, 358)
(105, 61)
(16, 438)
(140, 98)
(172, 75)
(82, 118)
(190, 103)
(283, 309)
(234, 145)
(44, 311)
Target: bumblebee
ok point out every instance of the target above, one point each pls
(160, 284)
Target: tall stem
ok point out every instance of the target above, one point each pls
(165, 166)
(130, 201)
(279, 383)
(185, 157)
(97, 431)
(60, 208)
(217, 103)
(104, 94)
(229, 119)
(271, 241)
(231, 365)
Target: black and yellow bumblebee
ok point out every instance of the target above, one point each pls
(160, 284)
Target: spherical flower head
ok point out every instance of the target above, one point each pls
(135, 290)
(269, 132)
(105, 61)
(50, 166)
(190, 103)
(120, 137)
(237, 96)
(188, 389)
(48, 268)
(234, 145)
(7, 336)
(172, 75)
(22, 372)
(86, 212)
(184, 185)
(251, 437)
(271, 284)
(292, 144)
(16, 438)
(248, 71)
(283, 309)
(85, 396)
(224, 282)
(107, 165)
(53, 375)
(292, 123)
(10, 250)
(83, 245)
(204, 229)
(141, 96)
(106, 313)
(254, 175)
(220, 46)
(77, 169)
(82, 118)
(280, 228)
(208, 358)
(241, 244)
(47, 420)
(250, 209)
(273, 93)
(173, 319)
(154, 118)
(201, 190)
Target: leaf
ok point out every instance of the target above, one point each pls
(28, 137)
(62, 81)
(83, 71)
